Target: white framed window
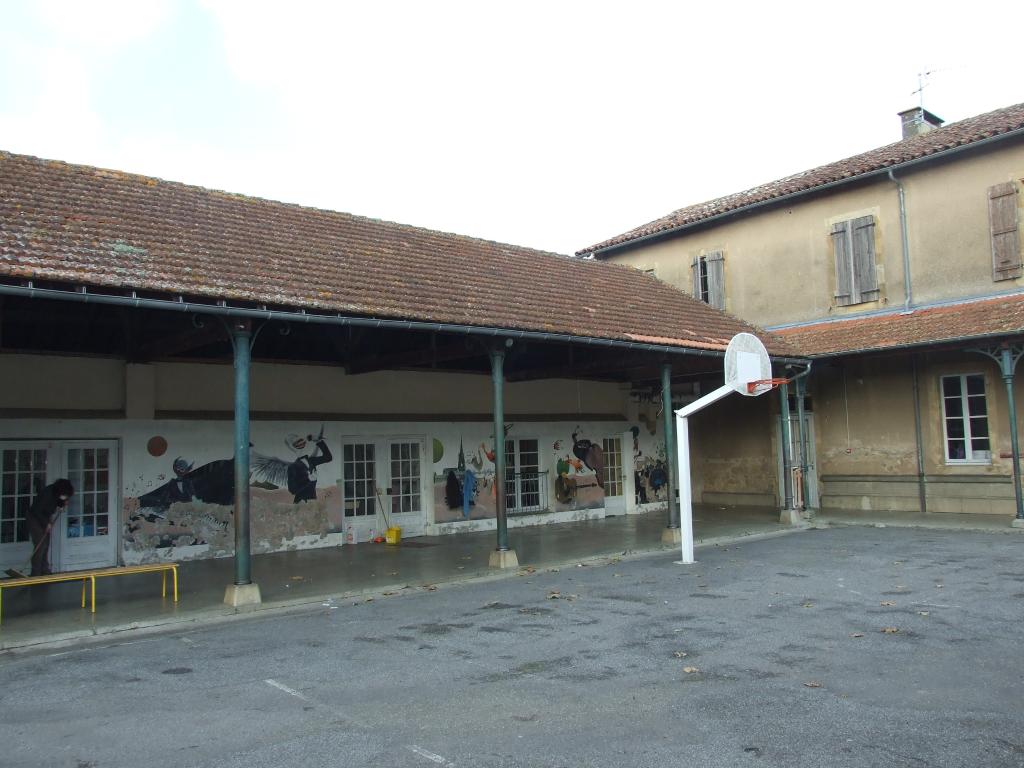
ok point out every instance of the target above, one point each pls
(965, 419)
(523, 487)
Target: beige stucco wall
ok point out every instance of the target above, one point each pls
(779, 265)
(96, 384)
(864, 421)
(62, 383)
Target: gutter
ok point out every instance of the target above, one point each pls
(222, 310)
(917, 344)
(598, 252)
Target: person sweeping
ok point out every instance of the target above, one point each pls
(43, 513)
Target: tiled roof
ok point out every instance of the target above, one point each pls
(965, 132)
(86, 226)
(1003, 315)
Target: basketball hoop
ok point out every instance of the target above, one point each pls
(746, 363)
(760, 386)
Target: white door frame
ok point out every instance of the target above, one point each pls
(616, 505)
(94, 550)
(361, 528)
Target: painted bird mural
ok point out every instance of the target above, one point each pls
(590, 454)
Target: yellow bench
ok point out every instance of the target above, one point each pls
(89, 577)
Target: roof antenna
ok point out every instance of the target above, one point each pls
(922, 83)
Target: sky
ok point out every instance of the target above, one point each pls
(553, 125)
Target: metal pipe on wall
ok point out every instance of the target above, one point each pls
(908, 291)
(922, 494)
(670, 445)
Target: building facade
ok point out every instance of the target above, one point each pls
(898, 272)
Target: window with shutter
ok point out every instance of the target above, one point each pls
(1002, 216)
(853, 243)
(709, 279)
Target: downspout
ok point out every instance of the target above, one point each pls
(801, 391)
(922, 495)
(907, 286)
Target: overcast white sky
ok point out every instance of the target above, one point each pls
(547, 124)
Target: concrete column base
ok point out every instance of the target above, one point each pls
(1017, 523)
(791, 517)
(503, 558)
(671, 535)
(237, 595)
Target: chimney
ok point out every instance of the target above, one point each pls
(918, 121)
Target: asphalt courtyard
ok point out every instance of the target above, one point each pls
(838, 647)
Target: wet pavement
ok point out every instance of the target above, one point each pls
(848, 646)
(52, 614)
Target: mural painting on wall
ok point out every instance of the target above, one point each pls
(466, 491)
(192, 507)
(650, 472)
(579, 473)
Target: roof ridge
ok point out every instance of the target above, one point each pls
(869, 161)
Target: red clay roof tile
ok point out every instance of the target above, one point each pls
(999, 316)
(102, 228)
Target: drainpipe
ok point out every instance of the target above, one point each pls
(498, 385)
(922, 495)
(787, 469)
(907, 287)
(670, 446)
(801, 392)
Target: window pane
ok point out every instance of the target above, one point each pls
(347, 453)
(956, 450)
(7, 509)
(25, 461)
(360, 452)
(976, 406)
(40, 459)
(369, 453)
(9, 459)
(415, 448)
(975, 385)
(954, 428)
(951, 386)
(954, 407)
(8, 486)
(6, 532)
(394, 451)
(979, 427)
(981, 444)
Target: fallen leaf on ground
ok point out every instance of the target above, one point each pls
(922, 613)
(430, 587)
(808, 605)
(812, 684)
(939, 586)
(887, 602)
(690, 670)
(680, 654)
(369, 600)
(554, 595)
(890, 630)
(388, 594)
(856, 634)
(296, 578)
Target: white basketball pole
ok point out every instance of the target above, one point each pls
(683, 459)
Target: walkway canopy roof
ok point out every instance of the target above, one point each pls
(106, 234)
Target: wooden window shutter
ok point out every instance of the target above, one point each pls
(844, 273)
(696, 277)
(865, 276)
(1002, 217)
(716, 279)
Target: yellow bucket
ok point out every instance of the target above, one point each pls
(393, 535)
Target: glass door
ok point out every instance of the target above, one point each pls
(88, 527)
(359, 491)
(405, 490)
(614, 499)
(23, 474)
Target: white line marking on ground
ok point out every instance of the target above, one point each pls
(286, 689)
(430, 756)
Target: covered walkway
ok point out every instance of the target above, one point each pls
(44, 616)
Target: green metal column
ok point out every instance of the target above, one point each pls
(787, 474)
(240, 337)
(670, 444)
(801, 393)
(498, 381)
(1007, 363)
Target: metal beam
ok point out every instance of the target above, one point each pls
(414, 357)
(241, 334)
